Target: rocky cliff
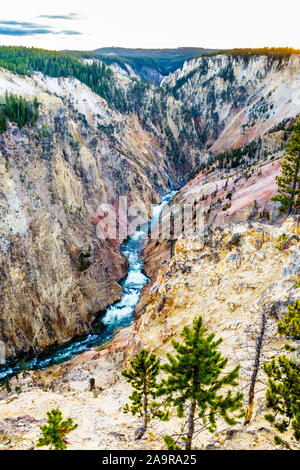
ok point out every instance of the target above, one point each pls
(54, 175)
(55, 275)
(231, 100)
(231, 278)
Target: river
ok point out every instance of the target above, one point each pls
(116, 316)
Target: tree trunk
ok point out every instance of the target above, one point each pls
(259, 340)
(172, 241)
(143, 428)
(191, 426)
(191, 418)
(141, 431)
(172, 244)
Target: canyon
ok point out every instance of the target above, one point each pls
(84, 151)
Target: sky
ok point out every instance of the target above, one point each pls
(90, 24)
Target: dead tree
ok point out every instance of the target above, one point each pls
(257, 358)
(92, 384)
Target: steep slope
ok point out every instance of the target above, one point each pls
(139, 142)
(233, 100)
(84, 151)
(230, 285)
(212, 103)
(53, 178)
(236, 187)
(230, 277)
(218, 103)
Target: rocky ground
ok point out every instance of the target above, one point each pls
(230, 277)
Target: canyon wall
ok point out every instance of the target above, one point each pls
(231, 278)
(234, 100)
(53, 177)
(55, 274)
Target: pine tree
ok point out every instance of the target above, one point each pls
(194, 380)
(2, 123)
(283, 397)
(143, 378)
(54, 433)
(288, 193)
(35, 103)
(17, 109)
(290, 325)
(283, 394)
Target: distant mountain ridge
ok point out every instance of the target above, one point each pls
(152, 65)
(149, 64)
(154, 53)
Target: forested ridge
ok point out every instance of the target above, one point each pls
(147, 101)
(97, 76)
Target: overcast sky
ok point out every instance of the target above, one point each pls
(89, 24)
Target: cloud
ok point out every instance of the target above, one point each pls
(70, 16)
(21, 23)
(23, 32)
(70, 33)
(24, 28)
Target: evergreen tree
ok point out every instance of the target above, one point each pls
(283, 394)
(143, 378)
(17, 109)
(288, 193)
(194, 380)
(54, 433)
(96, 75)
(2, 123)
(290, 325)
(283, 397)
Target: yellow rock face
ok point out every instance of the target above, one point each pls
(226, 284)
(229, 285)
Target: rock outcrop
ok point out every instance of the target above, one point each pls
(233, 100)
(230, 277)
